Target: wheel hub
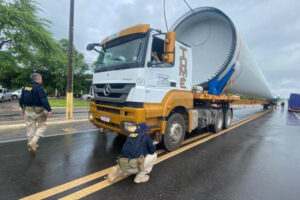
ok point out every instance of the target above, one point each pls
(175, 132)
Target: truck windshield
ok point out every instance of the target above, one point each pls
(122, 53)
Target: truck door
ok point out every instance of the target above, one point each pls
(160, 77)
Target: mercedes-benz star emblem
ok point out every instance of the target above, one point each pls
(106, 90)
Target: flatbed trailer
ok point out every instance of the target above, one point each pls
(179, 112)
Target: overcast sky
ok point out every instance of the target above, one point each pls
(271, 28)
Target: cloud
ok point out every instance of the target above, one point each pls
(271, 28)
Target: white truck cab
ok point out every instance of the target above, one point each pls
(129, 74)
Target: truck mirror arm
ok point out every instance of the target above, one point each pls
(92, 46)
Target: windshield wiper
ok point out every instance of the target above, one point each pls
(118, 58)
(139, 48)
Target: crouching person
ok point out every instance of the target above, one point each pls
(137, 155)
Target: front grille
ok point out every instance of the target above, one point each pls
(110, 110)
(113, 92)
(108, 123)
(113, 85)
(115, 95)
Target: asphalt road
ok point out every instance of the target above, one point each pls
(257, 160)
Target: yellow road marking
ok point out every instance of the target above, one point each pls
(72, 184)
(103, 184)
(196, 137)
(67, 186)
(182, 149)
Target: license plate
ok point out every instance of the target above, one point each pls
(105, 118)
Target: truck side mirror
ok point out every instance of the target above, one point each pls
(169, 47)
(92, 46)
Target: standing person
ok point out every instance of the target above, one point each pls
(36, 108)
(282, 105)
(137, 155)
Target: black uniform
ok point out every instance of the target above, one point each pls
(138, 143)
(34, 95)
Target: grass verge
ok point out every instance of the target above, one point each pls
(62, 103)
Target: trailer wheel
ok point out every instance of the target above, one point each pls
(175, 132)
(227, 118)
(217, 127)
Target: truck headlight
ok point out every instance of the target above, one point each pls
(91, 116)
(127, 124)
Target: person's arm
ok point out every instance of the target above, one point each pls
(44, 100)
(150, 146)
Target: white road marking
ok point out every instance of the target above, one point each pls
(50, 123)
(58, 134)
(297, 115)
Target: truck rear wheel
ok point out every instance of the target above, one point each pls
(227, 117)
(175, 132)
(217, 127)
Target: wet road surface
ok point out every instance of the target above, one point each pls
(258, 160)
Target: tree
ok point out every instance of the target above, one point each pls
(22, 35)
(26, 46)
(55, 68)
(22, 31)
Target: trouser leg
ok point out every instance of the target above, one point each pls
(148, 164)
(30, 126)
(40, 128)
(129, 171)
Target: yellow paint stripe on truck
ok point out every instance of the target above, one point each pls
(140, 28)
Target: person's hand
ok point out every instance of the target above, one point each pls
(49, 114)
(155, 142)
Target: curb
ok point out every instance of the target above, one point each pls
(18, 110)
(49, 123)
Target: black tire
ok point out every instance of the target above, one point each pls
(227, 112)
(14, 97)
(175, 132)
(2, 100)
(218, 125)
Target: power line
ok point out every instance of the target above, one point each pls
(165, 15)
(189, 6)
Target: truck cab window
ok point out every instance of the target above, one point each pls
(157, 50)
(122, 53)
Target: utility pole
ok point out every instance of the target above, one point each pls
(69, 108)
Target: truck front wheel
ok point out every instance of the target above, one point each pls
(175, 132)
